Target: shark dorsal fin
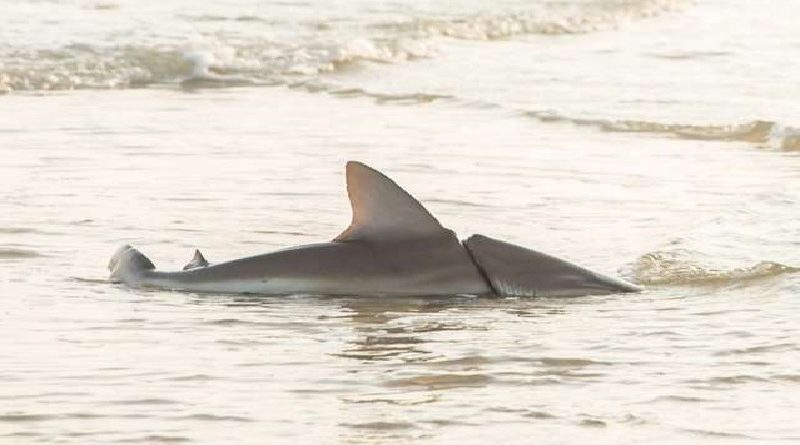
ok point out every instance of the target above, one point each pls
(198, 260)
(382, 210)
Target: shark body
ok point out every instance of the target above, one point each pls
(393, 247)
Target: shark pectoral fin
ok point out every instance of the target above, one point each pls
(198, 260)
(515, 271)
(383, 210)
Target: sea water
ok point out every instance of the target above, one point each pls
(656, 140)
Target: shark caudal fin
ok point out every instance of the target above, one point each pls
(515, 271)
(198, 260)
(382, 210)
(127, 264)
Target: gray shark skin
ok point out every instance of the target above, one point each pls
(515, 271)
(393, 247)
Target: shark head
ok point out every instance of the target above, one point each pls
(514, 271)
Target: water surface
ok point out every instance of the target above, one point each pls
(654, 140)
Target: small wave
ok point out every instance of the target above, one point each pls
(192, 378)
(681, 399)
(12, 253)
(105, 6)
(523, 412)
(380, 425)
(81, 66)
(568, 362)
(223, 18)
(760, 132)
(736, 379)
(761, 349)
(391, 401)
(443, 381)
(218, 63)
(594, 423)
(24, 417)
(547, 20)
(156, 438)
(214, 418)
(400, 99)
(16, 230)
(469, 362)
(145, 402)
(679, 267)
(689, 55)
(791, 378)
(539, 415)
(718, 434)
(791, 141)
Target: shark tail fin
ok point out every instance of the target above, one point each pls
(197, 261)
(127, 263)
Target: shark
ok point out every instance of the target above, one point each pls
(393, 247)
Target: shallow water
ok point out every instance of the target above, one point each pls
(595, 140)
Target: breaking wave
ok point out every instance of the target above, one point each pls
(142, 62)
(552, 19)
(764, 133)
(684, 267)
(80, 66)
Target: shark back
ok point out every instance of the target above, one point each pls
(393, 246)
